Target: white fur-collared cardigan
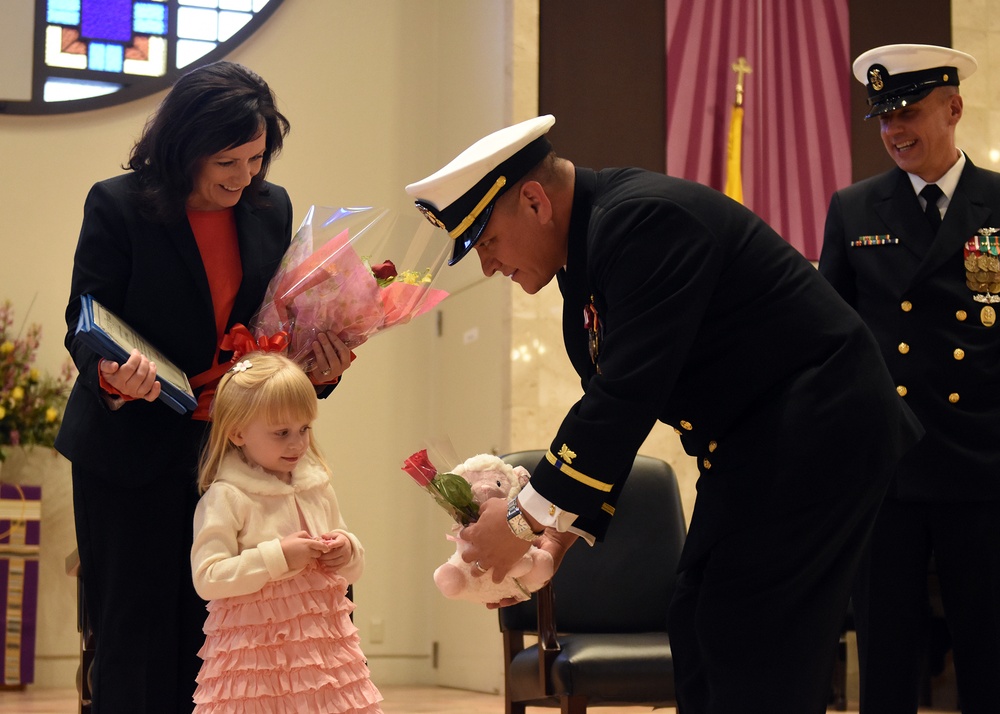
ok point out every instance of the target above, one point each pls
(242, 517)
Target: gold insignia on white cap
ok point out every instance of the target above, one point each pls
(899, 75)
(460, 196)
(875, 79)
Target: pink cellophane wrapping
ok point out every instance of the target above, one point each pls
(286, 649)
(325, 282)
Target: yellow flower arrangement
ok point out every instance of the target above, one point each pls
(31, 403)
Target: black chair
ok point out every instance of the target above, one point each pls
(606, 643)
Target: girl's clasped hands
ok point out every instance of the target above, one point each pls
(332, 549)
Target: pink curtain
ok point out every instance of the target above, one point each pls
(796, 129)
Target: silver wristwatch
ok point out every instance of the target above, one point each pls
(519, 526)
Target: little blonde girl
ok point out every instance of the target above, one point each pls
(273, 556)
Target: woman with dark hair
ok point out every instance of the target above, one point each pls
(181, 247)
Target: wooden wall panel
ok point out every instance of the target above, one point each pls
(603, 75)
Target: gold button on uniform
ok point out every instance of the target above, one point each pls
(707, 464)
(686, 425)
(901, 390)
(953, 397)
(959, 353)
(903, 348)
(712, 446)
(961, 315)
(906, 305)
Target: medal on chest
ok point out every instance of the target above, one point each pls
(595, 331)
(982, 271)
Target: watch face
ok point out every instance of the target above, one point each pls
(521, 528)
(519, 525)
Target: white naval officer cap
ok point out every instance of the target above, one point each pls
(899, 75)
(460, 197)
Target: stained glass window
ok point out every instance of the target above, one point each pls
(74, 55)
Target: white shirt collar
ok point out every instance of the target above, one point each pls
(947, 183)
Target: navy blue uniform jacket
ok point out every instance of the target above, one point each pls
(913, 295)
(713, 324)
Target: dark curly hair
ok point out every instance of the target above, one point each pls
(210, 109)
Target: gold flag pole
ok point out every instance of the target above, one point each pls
(734, 171)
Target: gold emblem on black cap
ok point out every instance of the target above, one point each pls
(875, 79)
(429, 215)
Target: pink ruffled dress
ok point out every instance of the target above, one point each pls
(290, 648)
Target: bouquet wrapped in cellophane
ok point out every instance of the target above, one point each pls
(353, 271)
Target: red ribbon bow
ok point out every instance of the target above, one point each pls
(240, 340)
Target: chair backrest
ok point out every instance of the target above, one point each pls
(624, 583)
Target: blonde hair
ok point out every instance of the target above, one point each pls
(272, 388)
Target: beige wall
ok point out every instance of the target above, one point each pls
(976, 30)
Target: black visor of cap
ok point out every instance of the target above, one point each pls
(904, 89)
(464, 242)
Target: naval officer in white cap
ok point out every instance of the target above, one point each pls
(680, 305)
(915, 251)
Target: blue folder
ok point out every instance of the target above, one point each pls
(105, 333)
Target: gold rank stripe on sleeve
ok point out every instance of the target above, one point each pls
(866, 241)
(576, 475)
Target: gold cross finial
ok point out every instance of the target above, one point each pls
(741, 67)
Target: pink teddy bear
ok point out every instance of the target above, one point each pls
(490, 477)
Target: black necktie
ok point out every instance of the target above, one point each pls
(931, 193)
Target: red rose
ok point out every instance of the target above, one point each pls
(419, 466)
(384, 271)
